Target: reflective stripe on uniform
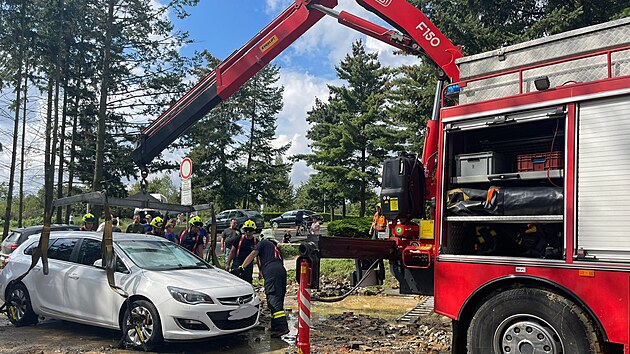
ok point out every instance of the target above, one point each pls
(278, 314)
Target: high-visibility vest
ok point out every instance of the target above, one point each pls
(379, 223)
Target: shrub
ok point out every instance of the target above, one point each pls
(289, 251)
(350, 227)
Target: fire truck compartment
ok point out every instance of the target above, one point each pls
(506, 212)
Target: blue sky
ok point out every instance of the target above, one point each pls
(223, 26)
(307, 66)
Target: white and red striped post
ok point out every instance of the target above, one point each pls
(304, 309)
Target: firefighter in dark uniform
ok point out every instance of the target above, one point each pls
(241, 248)
(191, 239)
(272, 270)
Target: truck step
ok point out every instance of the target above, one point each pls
(422, 309)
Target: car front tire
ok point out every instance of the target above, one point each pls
(19, 309)
(526, 320)
(142, 325)
(274, 225)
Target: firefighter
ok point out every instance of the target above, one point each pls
(156, 226)
(241, 248)
(379, 224)
(88, 222)
(275, 276)
(191, 239)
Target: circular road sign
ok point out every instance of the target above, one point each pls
(185, 168)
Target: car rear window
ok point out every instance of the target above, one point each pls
(13, 237)
(253, 213)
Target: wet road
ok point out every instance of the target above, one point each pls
(53, 336)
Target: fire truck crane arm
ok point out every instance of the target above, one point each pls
(226, 79)
(417, 36)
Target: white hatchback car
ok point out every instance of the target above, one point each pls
(173, 295)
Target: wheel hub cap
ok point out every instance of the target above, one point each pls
(140, 325)
(527, 337)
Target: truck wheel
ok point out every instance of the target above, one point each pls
(19, 309)
(142, 325)
(526, 320)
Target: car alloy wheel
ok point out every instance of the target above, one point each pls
(19, 307)
(143, 325)
(274, 225)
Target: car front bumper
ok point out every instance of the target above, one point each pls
(209, 320)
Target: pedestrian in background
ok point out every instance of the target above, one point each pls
(147, 225)
(228, 236)
(275, 276)
(379, 224)
(169, 234)
(135, 227)
(115, 227)
(315, 227)
(299, 218)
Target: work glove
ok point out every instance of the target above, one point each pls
(237, 271)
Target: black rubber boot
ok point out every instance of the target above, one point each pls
(279, 327)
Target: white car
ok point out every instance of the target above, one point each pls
(173, 295)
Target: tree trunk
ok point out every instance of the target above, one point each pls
(16, 125)
(73, 148)
(102, 109)
(25, 99)
(363, 183)
(61, 154)
(48, 154)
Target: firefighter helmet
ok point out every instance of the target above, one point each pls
(157, 222)
(249, 225)
(266, 234)
(89, 218)
(195, 220)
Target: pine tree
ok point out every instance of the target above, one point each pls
(260, 100)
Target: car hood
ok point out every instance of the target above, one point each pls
(196, 279)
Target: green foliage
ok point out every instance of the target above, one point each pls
(289, 251)
(350, 227)
(337, 268)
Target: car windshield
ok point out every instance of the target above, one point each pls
(252, 213)
(160, 255)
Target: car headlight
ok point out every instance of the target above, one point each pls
(190, 297)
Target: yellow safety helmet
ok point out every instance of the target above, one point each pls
(157, 222)
(195, 220)
(249, 224)
(378, 205)
(89, 218)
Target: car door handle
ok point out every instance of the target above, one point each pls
(73, 276)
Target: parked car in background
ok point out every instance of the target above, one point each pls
(287, 219)
(18, 236)
(241, 215)
(174, 295)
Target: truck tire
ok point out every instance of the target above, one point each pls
(528, 320)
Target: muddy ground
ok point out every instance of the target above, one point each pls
(357, 324)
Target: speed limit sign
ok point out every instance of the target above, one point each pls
(185, 168)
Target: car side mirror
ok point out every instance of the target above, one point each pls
(98, 263)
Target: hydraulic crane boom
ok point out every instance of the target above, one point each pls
(419, 36)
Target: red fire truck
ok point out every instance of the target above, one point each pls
(523, 183)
